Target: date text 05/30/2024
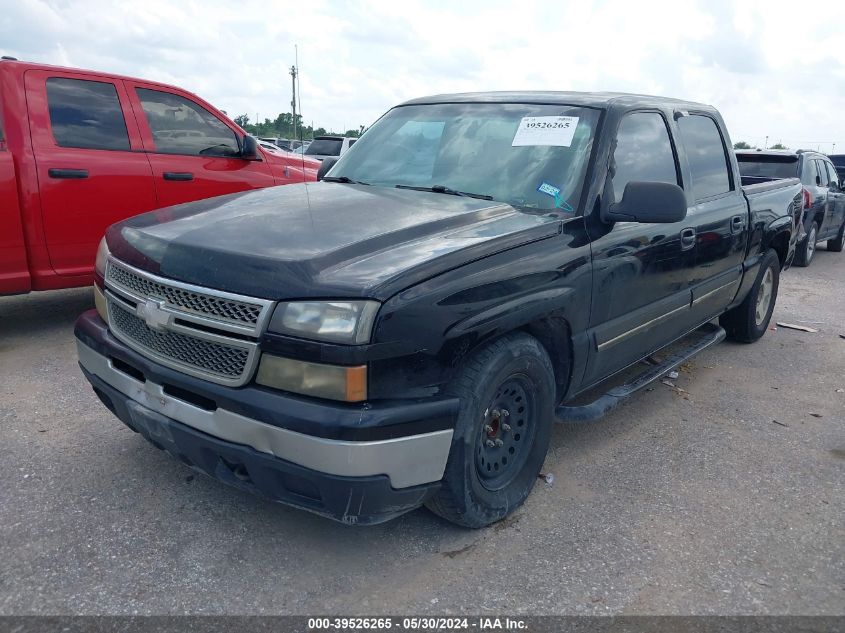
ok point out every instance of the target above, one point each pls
(416, 624)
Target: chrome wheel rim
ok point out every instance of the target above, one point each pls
(764, 297)
(811, 244)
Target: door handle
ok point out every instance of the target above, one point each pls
(178, 175)
(687, 239)
(737, 224)
(68, 173)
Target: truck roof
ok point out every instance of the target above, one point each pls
(594, 99)
(776, 152)
(20, 67)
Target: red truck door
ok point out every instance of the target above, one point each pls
(92, 170)
(194, 152)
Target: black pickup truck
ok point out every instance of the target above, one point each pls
(407, 330)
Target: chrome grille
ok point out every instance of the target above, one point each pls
(181, 298)
(229, 363)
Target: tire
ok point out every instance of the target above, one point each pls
(835, 245)
(749, 320)
(480, 486)
(806, 249)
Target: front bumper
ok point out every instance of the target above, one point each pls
(258, 440)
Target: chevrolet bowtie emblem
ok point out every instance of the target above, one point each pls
(154, 315)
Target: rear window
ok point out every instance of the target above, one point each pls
(325, 147)
(768, 166)
(86, 114)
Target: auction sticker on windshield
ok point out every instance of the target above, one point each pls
(545, 130)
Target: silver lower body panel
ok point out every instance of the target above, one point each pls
(407, 461)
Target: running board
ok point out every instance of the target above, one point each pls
(710, 335)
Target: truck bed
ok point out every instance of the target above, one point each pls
(753, 185)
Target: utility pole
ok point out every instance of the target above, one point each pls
(767, 142)
(293, 73)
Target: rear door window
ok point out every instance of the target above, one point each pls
(809, 173)
(643, 152)
(86, 114)
(831, 174)
(822, 180)
(707, 156)
(181, 126)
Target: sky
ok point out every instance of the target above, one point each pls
(773, 68)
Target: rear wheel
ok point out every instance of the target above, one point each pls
(835, 245)
(502, 434)
(807, 248)
(748, 321)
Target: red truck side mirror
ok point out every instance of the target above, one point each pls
(249, 148)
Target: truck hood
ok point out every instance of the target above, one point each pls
(321, 239)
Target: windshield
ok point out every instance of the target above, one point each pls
(527, 155)
(325, 146)
(767, 166)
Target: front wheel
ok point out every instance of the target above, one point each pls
(748, 321)
(502, 433)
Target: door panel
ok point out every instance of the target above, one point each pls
(824, 198)
(192, 149)
(641, 272)
(720, 216)
(837, 202)
(92, 171)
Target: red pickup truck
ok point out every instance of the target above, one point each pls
(81, 150)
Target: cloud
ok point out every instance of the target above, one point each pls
(357, 59)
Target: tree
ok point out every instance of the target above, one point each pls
(778, 146)
(742, 145)
(242, 120)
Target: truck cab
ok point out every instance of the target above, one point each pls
(81, 150)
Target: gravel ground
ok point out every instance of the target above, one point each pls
(679, 502)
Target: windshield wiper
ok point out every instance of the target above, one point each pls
(344, 179)
(445, 189)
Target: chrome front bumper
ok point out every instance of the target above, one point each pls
(407, 461)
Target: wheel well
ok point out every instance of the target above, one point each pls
(780, 244)
(554, 334)
(818, 217)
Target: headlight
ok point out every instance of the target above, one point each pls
(102, 258)
(348, 384)
(348, 322)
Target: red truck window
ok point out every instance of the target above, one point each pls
(180, 126)
(86, 114)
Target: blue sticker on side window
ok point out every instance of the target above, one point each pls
(554, 192)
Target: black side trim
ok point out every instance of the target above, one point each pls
(68, 173)
(178, 175)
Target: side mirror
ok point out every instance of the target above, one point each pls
(249, 148)
(649, 202)
(325, 166)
